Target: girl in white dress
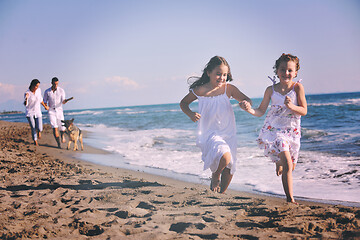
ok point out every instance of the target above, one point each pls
(216, 134)
(32, 101)
(280, 135)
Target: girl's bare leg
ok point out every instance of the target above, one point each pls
(215, 178)
(287, 180)
(279, 168)
(225, 180)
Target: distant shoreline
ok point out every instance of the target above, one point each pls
(11, 112)
(154, 104)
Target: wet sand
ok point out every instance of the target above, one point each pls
(46, 193)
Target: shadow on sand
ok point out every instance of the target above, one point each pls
(84, 185)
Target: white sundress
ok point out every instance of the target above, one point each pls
(216, 133)
(281, 131)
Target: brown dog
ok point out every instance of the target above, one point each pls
(74, 134)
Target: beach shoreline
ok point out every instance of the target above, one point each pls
(47, 192)
(159, 173)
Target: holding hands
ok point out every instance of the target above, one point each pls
(245, 105)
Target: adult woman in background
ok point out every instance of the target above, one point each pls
(32, 102)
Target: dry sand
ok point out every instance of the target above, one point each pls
(45, 193)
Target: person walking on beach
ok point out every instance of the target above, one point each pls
(280, 135)
(55, 98)
(32, 101)
(216, 120)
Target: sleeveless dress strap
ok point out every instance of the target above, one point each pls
(272, 79)
(296, 83)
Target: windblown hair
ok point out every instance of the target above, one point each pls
(213, 63)
(287, 58)
(33, 83)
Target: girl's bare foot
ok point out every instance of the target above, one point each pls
(279, 169)
(36, 143)
(293, 202)
(215, 183)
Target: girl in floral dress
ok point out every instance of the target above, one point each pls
(280, 135)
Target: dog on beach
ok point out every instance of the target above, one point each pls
(74, 134)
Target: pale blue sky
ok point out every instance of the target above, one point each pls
(121, 53)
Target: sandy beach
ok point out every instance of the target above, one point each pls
(46, 193)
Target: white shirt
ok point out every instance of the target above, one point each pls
(54, 99)
(34, 100)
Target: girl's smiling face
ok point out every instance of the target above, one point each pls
(287, 71)
(218, 75)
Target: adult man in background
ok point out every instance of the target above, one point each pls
(54, 97)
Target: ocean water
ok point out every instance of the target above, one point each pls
(160, 139)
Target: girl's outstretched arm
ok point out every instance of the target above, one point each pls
(258, 112)
(184, 105)
(237, 94)
(301, 109)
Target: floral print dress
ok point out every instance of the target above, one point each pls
(281, 131)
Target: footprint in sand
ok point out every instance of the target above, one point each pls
(145, 205)
(86, 229)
